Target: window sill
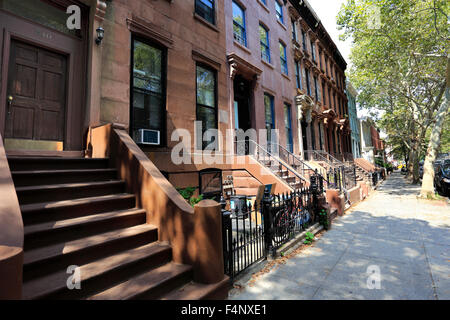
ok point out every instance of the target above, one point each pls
(206, 23)
(268, 64)
(242, 47)
(286, 76)
(282, 24)
(263, 5)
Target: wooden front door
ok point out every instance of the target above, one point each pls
(36, 93)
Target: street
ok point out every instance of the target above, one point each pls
(405, 239)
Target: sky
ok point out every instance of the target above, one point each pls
(327, 11)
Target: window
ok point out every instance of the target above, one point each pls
(304, 41)
(148, 88)
(264, 40)
(313, 51)
(324, 92)
(206, 102)
(279, 11)
(313, 135)
(329, 99)
(269, 114)
(326, 65)
(210, 184)
(320, 58)
(316, 89)
(287, 121)
(283, 60)
(308, 84)
(294, 31)
(298, 75)
(205, 9)
(264, 1)
(239, 24)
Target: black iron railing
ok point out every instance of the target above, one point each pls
(243, 238)
(270, 160)
(340, 175)
(290, 214)
(252, 232)
(295, 162)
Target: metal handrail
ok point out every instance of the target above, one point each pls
(271, 156)
(302, 163)
(327, 157)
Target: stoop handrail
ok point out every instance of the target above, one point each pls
(259, 148)
(187, 229)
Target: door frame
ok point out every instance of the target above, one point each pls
(18, 28)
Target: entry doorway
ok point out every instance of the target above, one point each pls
(36, 99)
(242, 98)
(242, 102)
(44, 70)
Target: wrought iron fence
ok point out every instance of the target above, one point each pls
(243, 238)
(252, 232)
(342, 178)
(289, 215)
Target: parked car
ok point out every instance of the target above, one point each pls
(442, 177)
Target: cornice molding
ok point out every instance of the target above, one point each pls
(148, 29)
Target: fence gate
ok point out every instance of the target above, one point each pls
(250, 233)
(243, 239)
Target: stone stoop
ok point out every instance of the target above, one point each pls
(77, 213)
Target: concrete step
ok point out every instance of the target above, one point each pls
(59, 192)
(100, 274)
(81, 251)
(55, 163)
(149, 285)
(198, 291)
(48, 177)
(43, 234)
(68, 209)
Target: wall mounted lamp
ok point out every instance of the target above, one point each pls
(100, 35)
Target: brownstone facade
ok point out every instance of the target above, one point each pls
(251, 65)
(264, 78)
(322, 103)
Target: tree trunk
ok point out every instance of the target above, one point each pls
(435, 140)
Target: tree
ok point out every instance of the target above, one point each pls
(396, 69)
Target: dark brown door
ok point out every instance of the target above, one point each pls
(37, 85)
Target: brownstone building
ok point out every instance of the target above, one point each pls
(320, 86)
(261, 68)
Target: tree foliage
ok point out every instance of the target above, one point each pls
(399, 60)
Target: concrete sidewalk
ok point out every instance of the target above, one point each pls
(407, 240)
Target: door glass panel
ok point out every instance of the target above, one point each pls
(41, 13)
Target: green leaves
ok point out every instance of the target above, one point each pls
(398, 65)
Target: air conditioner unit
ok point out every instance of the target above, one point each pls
(146, 136)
